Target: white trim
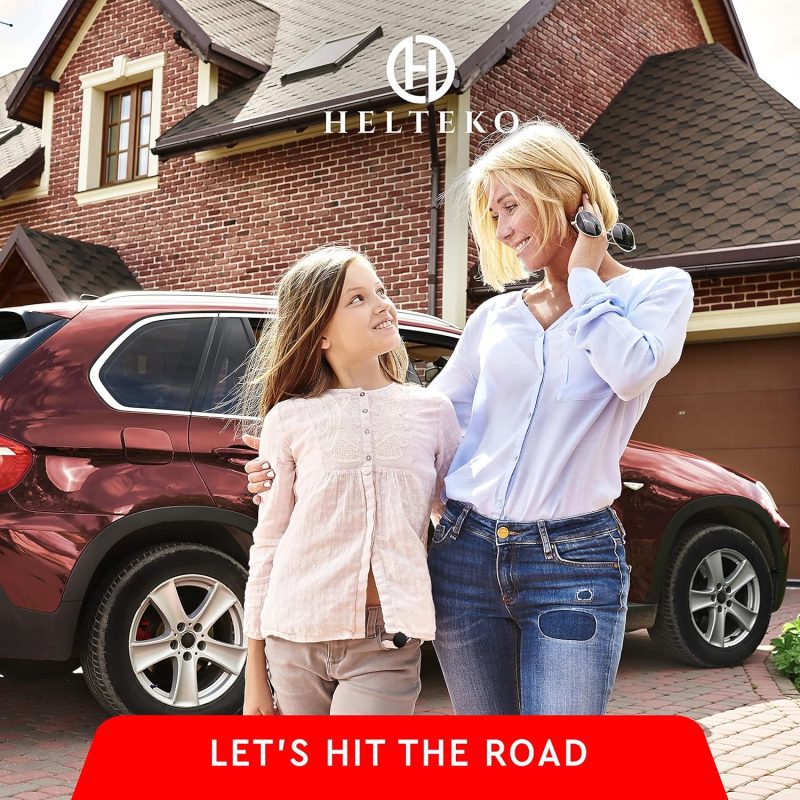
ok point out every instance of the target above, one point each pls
(701, 18)
(207, 83)
(42, 188)
(117, 190)
(123, 71)
(455, 254)
(251, 145)
(77, 40)
(744, 323)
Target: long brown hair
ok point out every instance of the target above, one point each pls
(288, 360)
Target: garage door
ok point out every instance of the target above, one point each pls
(737, 403)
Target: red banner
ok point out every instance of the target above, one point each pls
(386, 757)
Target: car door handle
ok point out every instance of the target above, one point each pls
(241, 453)
(634, 486)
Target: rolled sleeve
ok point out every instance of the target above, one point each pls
(631, 348)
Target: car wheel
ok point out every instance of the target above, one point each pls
(21, 670)
(716, 601)
(165, 634)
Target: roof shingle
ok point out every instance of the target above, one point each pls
(702, 154)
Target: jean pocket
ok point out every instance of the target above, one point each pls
(449, 525)
(442, 530)
(597, 550)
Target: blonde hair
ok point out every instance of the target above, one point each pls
(288, 360)
(542, 164)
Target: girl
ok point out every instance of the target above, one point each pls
(338, 598)
(528, 567)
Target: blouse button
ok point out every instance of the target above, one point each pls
(363, 410)
(369, 458)
(366, 430)
(361, 394)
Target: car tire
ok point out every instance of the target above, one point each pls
(716, 600)
(14, 669)
(164, 633)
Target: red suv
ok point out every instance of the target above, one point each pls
(125, 523)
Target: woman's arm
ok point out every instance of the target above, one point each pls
(448, 442)
(458, 379)
(630, 348)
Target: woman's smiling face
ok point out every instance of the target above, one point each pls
(518, 226)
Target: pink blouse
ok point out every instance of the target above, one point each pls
(357, 473)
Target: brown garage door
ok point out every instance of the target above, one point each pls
(737, 403)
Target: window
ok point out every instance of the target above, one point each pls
(330, 55)
(126, 139)
(236, 337)
(120, 120)
(155, 367)
(427, 354)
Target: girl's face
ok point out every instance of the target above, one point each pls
(517, 226)
(365, 322)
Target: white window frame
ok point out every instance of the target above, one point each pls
(95, 85)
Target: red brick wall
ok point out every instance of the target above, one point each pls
(746, 291)
(237, 223)
(569, 67)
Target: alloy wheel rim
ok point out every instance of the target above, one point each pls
(724, 598)
(186, 642)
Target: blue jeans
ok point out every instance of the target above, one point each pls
(529, 615)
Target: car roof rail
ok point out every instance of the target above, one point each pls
(147, 296)
(243, 297)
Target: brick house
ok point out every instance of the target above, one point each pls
(228, 173)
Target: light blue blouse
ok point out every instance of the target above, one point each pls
(547, 414)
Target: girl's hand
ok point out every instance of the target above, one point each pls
(588, 250)
(257, 697)
(259, 475)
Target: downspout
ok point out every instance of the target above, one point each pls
(433, 244)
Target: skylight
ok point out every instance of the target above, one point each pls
(330, 55)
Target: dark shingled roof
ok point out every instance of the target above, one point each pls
(702, 154)
(238, 35)
(68, 268)
(477, 36)
(21, 152)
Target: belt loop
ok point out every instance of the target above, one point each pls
(548, 547)
(456, 529)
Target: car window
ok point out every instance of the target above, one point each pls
(22, 333)
(427, 354)
(234, 342)
(235, 339)
(155, 367)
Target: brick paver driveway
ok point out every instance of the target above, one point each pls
(752, 717)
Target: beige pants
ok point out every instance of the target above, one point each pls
(347, 676)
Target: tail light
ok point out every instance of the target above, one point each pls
(15, 459)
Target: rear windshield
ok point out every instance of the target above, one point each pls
(21, 333)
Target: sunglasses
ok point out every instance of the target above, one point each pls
(621, 235)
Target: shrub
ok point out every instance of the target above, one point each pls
(786, 654)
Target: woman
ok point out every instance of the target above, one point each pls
(527, 564)
(338, 599)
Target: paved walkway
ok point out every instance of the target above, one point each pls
(752, 717)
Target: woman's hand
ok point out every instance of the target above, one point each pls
(259, 474)
(589, 250)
